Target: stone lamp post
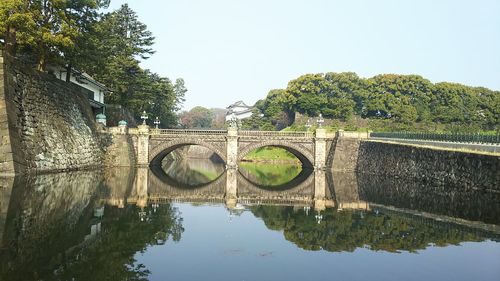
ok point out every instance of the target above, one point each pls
(144, 117)
(308, 124)
(320, 120)
(156, 122)
(143, 142)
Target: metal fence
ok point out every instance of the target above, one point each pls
(446, 137)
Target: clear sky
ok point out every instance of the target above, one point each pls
(230, 50)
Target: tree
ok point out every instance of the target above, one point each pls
(16, 24)
(346, 86)
(278, 108)
(125, 35)
(400, 100)
(310, 93)
(219, 121)
(108, 47)
(197, 117)
(121, 40)
(47, 29)
(256, 121)
(84, 52)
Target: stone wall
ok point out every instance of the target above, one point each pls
(345, 155)
(45, 123)
(453, 168)
(120, 151)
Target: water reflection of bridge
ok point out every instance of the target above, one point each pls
(309, 188)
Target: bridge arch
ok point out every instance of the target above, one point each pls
(304, 175)
(304, 154)
(300, 188)
(158, 152)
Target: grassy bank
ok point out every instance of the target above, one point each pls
(271, 154)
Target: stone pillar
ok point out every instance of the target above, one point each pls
(143, 146)
(232, 148)
(141, 187)
(231, 184)
(320, 149)
(7, 157)
(319, 190)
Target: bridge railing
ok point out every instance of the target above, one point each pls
(186, 132)
(445, 137)
(276, 134)
(133, 131)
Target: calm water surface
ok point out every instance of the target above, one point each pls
(175, 224)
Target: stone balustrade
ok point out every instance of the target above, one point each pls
(276, 134)
(186, 132)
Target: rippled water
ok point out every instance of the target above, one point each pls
(177, 224)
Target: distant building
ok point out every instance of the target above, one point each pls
(238, 110)
(95, 90)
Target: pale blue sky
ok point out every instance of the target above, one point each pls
(229, 50)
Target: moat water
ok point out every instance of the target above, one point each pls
(175, 224)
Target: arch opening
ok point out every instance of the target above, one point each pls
(274, 166)
(188, 165)
(279, 150)
(158, 157)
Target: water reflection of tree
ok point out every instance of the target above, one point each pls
(349, 230)
(110, 255)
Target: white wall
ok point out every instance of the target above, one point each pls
(98, 92)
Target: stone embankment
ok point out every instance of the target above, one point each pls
(470, 170)
(45, 123)
(416, 163)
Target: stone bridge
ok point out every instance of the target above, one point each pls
(232, 145)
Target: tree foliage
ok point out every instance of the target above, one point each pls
(401, 100)
(107, 46)
(197, 117)
(48, 29)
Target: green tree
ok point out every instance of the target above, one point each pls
(256, 121)
(16, 24)
(46, 29)
(121, 39)
(310, 93)
(278, 108)
(347, 95)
